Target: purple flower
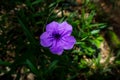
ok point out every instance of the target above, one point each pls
(58, 37)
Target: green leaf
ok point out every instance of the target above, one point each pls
(83, 64)
(52, 4)
(32, 67)
(117, 62)
(36, 2)
(4, 63)
(52, 66)
(95, 31)
(115, 41)
(86, 2)
(28, 34)
(97, 41)
(101, 25)
(29, 4)
(90, 18)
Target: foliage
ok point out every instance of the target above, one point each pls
(21, 24)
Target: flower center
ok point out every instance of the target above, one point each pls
(57, 36)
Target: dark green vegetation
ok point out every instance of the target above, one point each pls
(23, 21)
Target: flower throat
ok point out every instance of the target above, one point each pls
(57, 36)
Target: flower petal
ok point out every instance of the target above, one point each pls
(65, 29)
(45, 39)
(56, 48)
(52, 26)
(68, 42)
